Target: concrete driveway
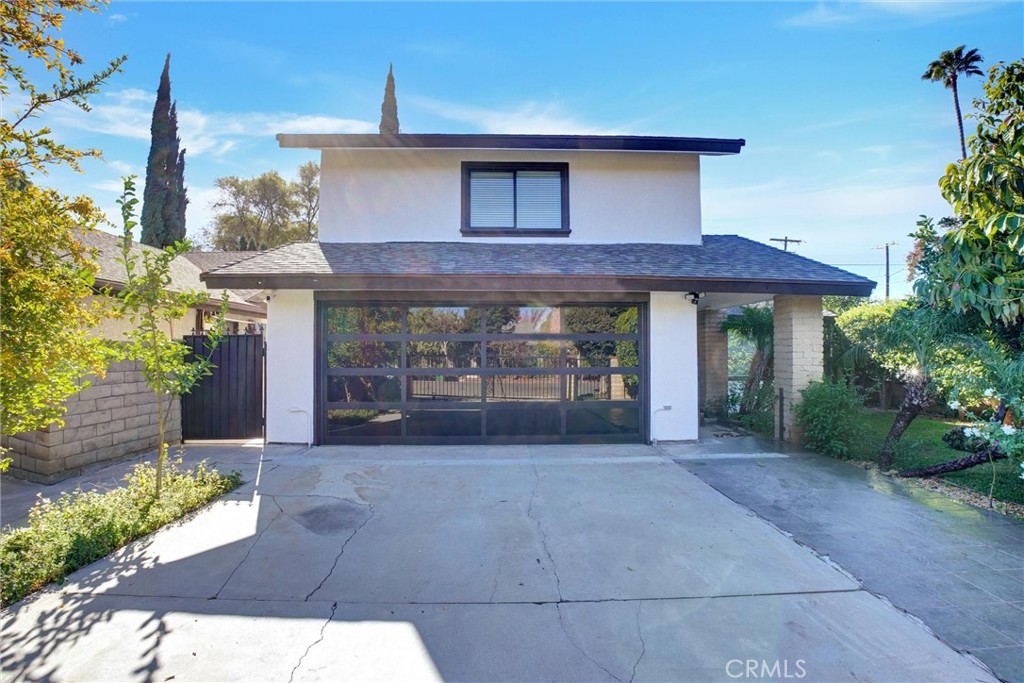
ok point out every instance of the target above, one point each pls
(593, 563)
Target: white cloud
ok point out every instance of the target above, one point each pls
(822, 14)
(128, 114)
(839, 12)
(117, 18)
(536, 118)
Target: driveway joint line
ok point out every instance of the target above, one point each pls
(481, 603)
(320, 637)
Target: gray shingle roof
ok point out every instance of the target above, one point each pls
(727, 260)
(185, 275)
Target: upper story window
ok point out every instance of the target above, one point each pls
(510, 198)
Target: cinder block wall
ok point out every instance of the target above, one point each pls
(113, 418)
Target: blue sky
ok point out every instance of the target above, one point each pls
(845, 143)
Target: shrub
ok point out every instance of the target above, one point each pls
(829, 415)
(82, 527)
(761, 422)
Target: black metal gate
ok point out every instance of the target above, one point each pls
(229, 403)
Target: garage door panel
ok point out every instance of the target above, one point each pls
(464, 374)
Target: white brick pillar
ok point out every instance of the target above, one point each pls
(713, 350)
(798, 356)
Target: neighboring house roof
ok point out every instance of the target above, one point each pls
(185, 275)
(722, 263)
(616, 143)
(209, 260)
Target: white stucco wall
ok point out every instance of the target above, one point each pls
(416, 195)
(673, 361)
(291, 331)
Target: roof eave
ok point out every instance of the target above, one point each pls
(615, 143)
(561, 283)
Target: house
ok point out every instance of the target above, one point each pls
(246, 308)
(116, 415)
(518, 288)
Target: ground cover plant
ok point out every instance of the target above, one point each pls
(81, 527)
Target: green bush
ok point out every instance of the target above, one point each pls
(761, 422)
(830, 415)
(82, 527)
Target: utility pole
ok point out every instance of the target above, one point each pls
(886, 247)
(785, 241)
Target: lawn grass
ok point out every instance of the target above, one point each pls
(82, 527)
(922, 445)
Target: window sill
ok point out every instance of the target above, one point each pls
(477, 232)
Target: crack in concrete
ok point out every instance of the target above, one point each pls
(320, 637)
(558, 580)
(340, 553)
(561, 623)
(543, 535)
(643, 643)
(497, 575)
(280, 511)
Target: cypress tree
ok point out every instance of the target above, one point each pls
(389, 108)
(164, 199)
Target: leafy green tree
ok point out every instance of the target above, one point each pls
(979, 263)
(46, 279)
(306, 195)
(948, 68)
(29, 32)
(46, 275)
(389, 107)
(152, 307)
(164, 196)
(266, 211)
(920, 346)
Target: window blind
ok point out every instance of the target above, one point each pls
(538, 200)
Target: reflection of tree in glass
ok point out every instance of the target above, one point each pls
(595, 320)
(364, 320)
(627, 351)
(442, 353)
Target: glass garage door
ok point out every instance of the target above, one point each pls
(480, 374)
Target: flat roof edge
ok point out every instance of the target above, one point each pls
(623, 143)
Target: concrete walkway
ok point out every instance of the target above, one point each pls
(593, 563)
(957, 568)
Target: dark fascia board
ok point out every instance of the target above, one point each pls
(255, 310)
(617, 143)
(563, 283)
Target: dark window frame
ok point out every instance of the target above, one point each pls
(468, 167)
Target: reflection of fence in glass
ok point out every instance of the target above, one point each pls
(519, 388)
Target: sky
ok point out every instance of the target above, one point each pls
(844, 141)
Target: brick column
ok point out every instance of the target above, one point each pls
(798, 355)
(713, 354)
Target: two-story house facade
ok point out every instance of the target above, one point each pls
(514, 288)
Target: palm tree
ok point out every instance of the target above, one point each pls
(947, 68)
